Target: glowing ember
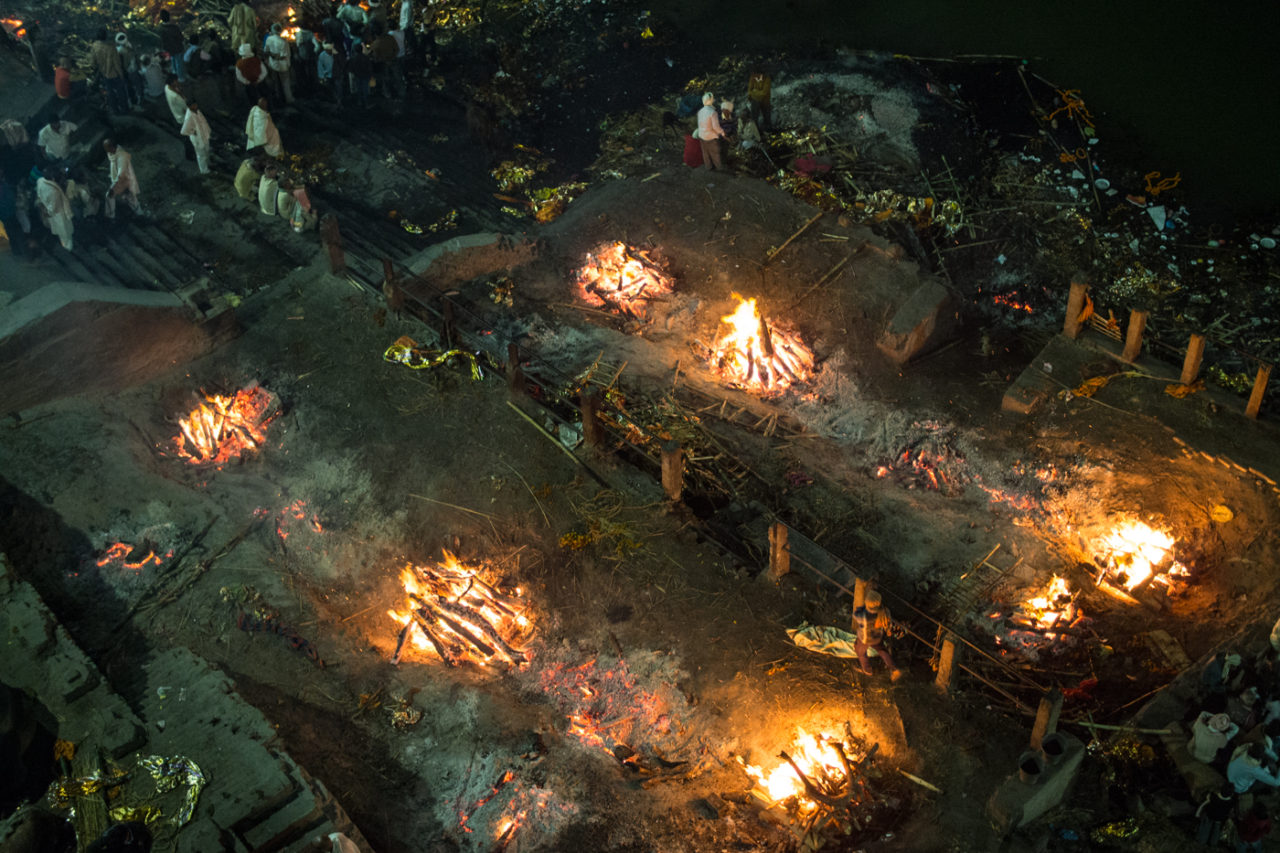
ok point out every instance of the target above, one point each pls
(132, 557)
(607, 708)
(754, 355)
(295, 516)
(1135, 554)
(14, 26)
(462, 616)
(222, 428)
(623, 281)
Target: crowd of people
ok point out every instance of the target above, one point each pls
(721, 127)
(356, 51)
(1236, 731)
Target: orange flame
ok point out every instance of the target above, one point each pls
(1046, 610)
(222, 428)
(757, 356)
(1135, 551)
(816, 755)
(614, 277)
(14, 26)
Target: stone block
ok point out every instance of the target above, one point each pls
(920, 323)
(1016, 804)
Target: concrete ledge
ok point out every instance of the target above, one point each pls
(67, 339)
(920, 323)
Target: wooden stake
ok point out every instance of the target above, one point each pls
(1075, 306)
(1046, 717)
(331, 237)
(946, 664)
(779, 550)
(1133, 336)
(592, 429)
(672, 470)
(803, 228)
(448, 326)
(1191, 364)
(1259, 388)
(515, 376)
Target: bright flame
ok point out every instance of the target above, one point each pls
(1135, 550)
(14, 26)
(614, 277)
(221, 428)
(468, 617)
(816, 755)
(755, 355)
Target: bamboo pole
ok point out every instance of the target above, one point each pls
(773, 253)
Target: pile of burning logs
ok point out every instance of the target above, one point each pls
(460, 615)
(615, 277)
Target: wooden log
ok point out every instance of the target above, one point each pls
(467, 634)
(1046, 717)
(442, 648)
(1075, 306)
(515, 376)
(779, 550)
(946, 664)
(592, 428)
(1133, 336)
(672, 470)
(400, 641)
(1259, 388)
(1191, 363)
(803, 228)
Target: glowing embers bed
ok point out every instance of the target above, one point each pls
(461, 614)
(221, 428)
(621, 280)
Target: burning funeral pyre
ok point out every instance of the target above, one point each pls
(822, 784)
(623, 281)
(461, 615)
(1133, 555)
(220, 428)
(1046, 622)
(757, 356)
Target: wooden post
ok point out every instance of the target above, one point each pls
(1075, 307)
(1191, 364)
(947, 664)
(332, 239)
(515, 376)
(1133, 336)
(388, 270)
(448, 327)
(592, 429)
(779, 550)
(859, 592)
(1046, 717)
(1259, 388)
(672, 470)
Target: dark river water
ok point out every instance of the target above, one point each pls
(1182, 86)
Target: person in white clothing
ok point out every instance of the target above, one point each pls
(175, 99)
(54, 209)
(268, 191)
(261, 131)
(55, 139)
(196, 128)
(124, 183)
(278, 50)
(710, 132)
